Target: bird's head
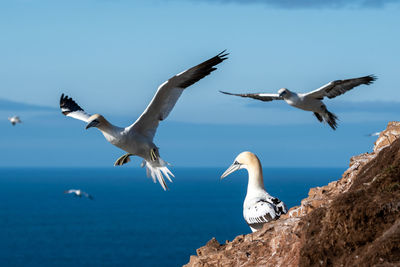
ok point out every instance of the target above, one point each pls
(242, 161)
(96, 120)
(283, 92)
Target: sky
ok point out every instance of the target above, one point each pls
(111, 55)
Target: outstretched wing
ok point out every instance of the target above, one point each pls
(71, 109)
(87, 195)
(69, 191)
(168, 94)
(258, 96)
(339, 87)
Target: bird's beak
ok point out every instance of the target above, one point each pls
(92, 124)
(234, 167)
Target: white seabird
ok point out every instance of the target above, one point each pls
(312, 101)
(137, 139)
(14, 120)
(259, 207)
(78, 193)
(374, 134)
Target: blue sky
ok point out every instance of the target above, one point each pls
(112, 55)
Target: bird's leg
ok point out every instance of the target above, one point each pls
(153, 154)
(123, 159)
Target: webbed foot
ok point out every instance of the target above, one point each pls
(123, 159)
(153, 154)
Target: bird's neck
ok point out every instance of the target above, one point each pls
(109, 131)
(290, 95)
(256, 181)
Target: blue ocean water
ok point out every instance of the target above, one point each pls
(131, 221)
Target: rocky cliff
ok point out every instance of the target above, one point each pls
(354, 221)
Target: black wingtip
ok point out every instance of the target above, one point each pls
(373, 77)
(332, 120)
(223, 55)
(227, 93)
(220, 53)
(68, 105)
(370, 79)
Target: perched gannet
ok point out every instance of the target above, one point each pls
(78, 193)
(137, 139)
(312, 101)
(258, 207)
(14, 120)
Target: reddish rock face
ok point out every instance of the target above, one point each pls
(388, 136)
(354, 221)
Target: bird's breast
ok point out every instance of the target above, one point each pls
(133, 143)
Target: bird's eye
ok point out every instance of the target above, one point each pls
(236, 163)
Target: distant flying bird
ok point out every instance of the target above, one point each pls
(312, 101)
(259, 207)
(137, 139)
(374, 134)
(14, 120)
(78, 193)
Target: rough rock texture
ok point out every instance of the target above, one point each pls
(354, 221)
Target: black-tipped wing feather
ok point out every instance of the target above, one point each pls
(169, 92)
(258, 96)
(339, 87)
(71, 109)
(193, 75)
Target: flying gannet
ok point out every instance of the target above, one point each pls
(374, 134)
(137, 139)
(259, 207)
(312, 101)
(78, 193)
(14, 120)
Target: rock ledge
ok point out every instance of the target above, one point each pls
(354, 221)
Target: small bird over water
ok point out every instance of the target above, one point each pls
(374, 134)
(14, 120)
(259, 207)
(312, 101)
(137, 139)
(78, 193)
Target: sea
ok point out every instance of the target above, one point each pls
(131, 221)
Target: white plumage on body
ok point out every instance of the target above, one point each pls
(259, 207)
(78, 193)
(137, 139)
(14, 120)
(312, 101)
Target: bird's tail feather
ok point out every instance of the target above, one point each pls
(157, 171)
(318, 116)
(330, 118)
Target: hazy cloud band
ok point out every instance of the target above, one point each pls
(304, 4)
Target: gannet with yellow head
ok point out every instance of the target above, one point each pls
(137, 139)
(259, 207)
